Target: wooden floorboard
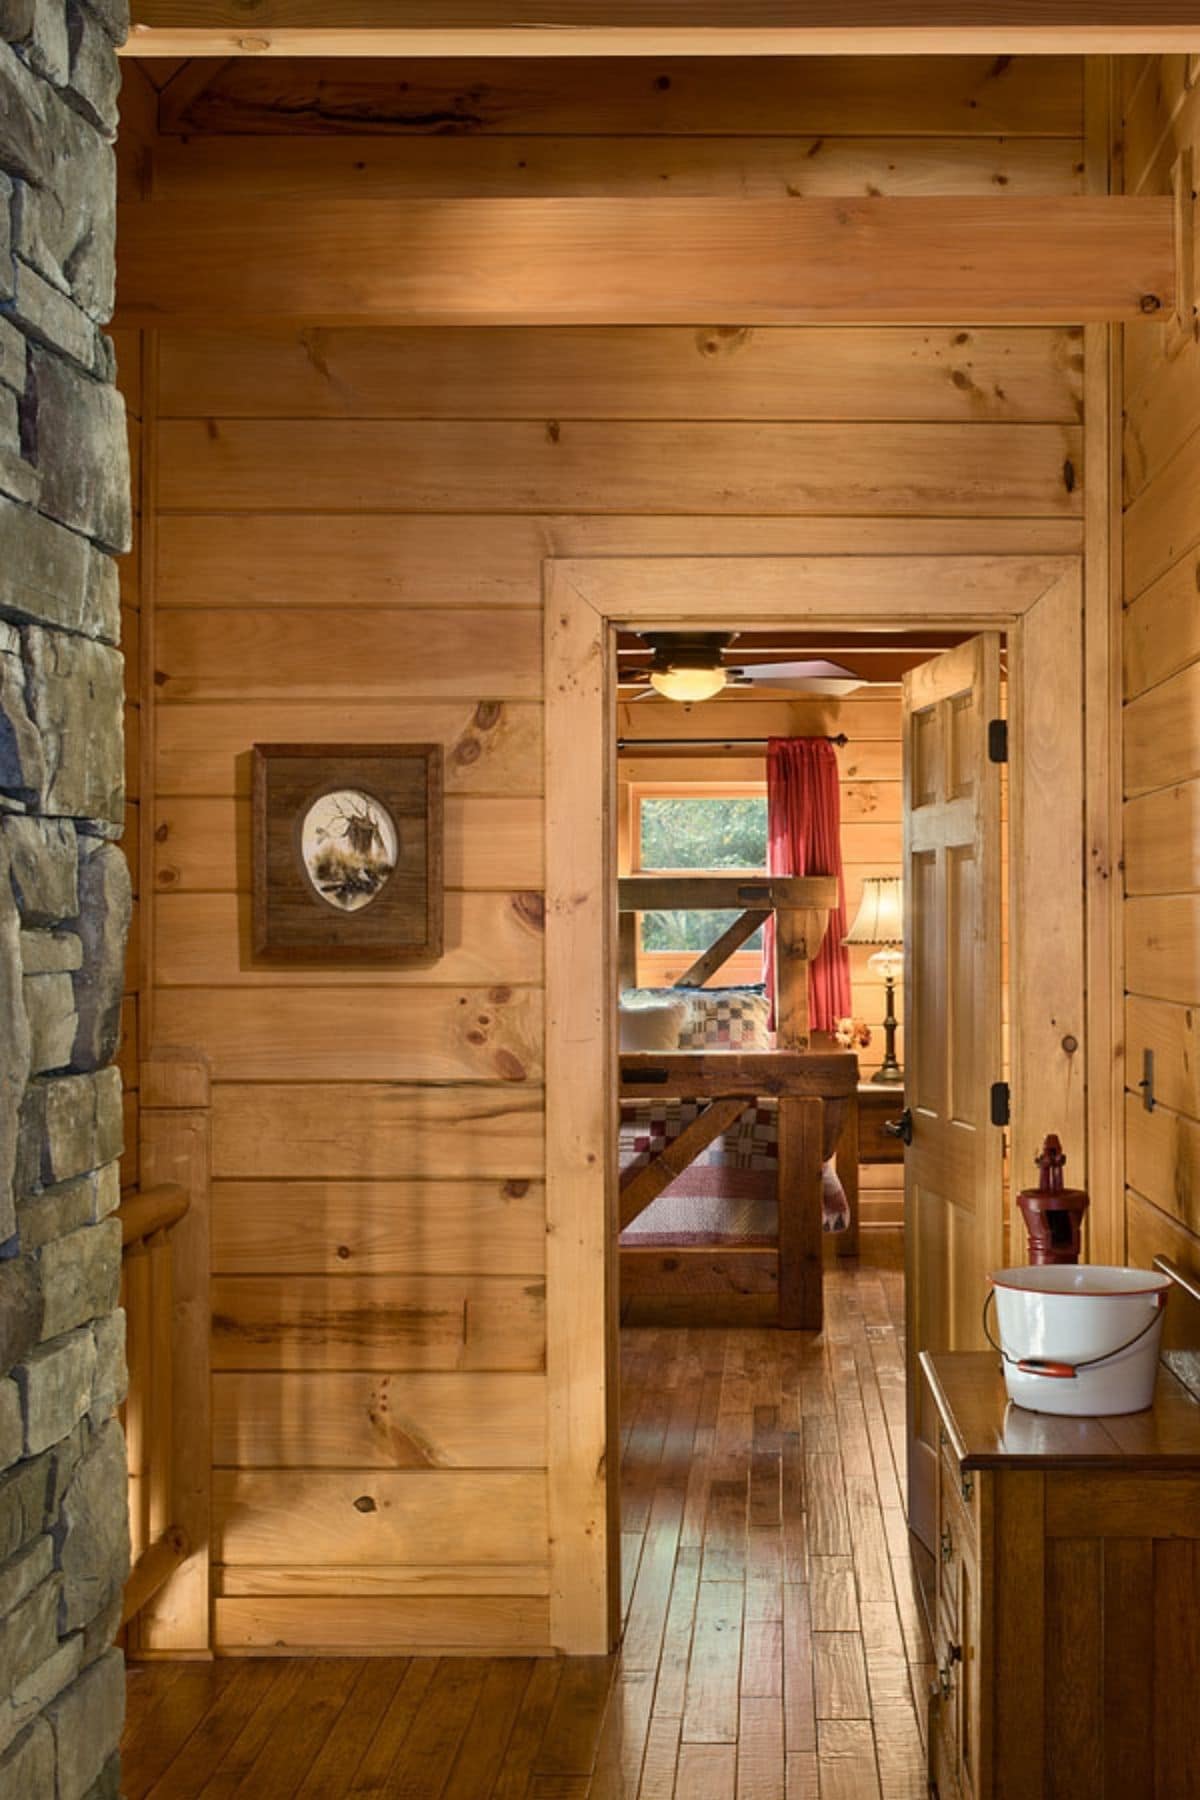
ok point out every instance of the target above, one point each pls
(774, 1645)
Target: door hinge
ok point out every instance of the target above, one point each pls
(1001, 1103)
(998, 740)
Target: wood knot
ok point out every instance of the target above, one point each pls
(364, 1504)
(1150, 303)
(488, 715)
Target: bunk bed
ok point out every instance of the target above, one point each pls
(772, 1115)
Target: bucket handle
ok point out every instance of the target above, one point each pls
(1040, 1365)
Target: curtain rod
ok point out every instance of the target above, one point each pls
(708, 743)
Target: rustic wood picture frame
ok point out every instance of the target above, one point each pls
(360, 877)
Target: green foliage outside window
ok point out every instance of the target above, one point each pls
(703, 832)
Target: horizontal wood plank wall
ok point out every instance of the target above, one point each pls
(1160, 120)
(350, 537)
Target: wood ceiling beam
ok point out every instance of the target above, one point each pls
(1067, 260)
(655, 27)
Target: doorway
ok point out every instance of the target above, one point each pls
(1036, 601)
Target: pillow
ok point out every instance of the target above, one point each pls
(654, 1025)
(726, 1019)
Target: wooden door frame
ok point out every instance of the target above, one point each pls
(1037, 601)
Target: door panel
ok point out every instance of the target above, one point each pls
(952, 885)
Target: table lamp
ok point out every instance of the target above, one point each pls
(881, 921)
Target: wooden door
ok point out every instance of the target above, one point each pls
(953, 1027)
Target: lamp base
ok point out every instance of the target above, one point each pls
(890, 1073)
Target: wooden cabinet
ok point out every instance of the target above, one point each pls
(1067, 1596)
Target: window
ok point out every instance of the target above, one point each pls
(700, 829)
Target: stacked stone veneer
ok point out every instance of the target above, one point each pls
(64, 906)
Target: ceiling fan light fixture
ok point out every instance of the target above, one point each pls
(687, 683)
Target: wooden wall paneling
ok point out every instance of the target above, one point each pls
(330, 559)
(379, 167)
(1032, 96)
(381, 1322)
(1164, 1160)
(369, 1226)
(205, 844)
(403, 1580)
(1103, 973)
(366, 1625)
(348, 1130)
(365, 1516)
(492, 939)
(176, 1146)
(1162, 841)
(565, 465)
(459, 1420)
(1162, 733)
(492, 746)
(1162, 627)
(243, 655)
(1167, 1029)
(1162, 947)
(651, 261)
(949, 376)
(300, 1034)
(581, 1114)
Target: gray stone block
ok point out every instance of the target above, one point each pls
(6, 247)
(23, 100)
(86, 1721)
(105, 911)
(52, 576)
(76, 695)
(82, 452)
(56, 1211)
(21, 1310)
(10, 424)
(34, 1694)
(95, 77)
(56, 1389)
(27, 1772)
(43, 864)
(107, 1189)
(111, 1381)
(24, 1504)
(81, 1277)
(94, 1553)
(15, 1048)
(66, 225)
(29, 1635)
(19, 479)
(25, 1572)
(51, 952)
(12, 351)
(50, 316)
(22, 760)
(114, 16)
(70, 1124)
(65, 1458)
(16, 19)
(43, 43)
(53, 1021)
(12, 1434)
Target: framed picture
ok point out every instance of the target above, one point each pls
(347, 852)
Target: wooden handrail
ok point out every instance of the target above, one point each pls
(151, 1209)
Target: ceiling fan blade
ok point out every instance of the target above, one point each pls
(764, 674)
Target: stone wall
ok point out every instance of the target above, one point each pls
(64, 906)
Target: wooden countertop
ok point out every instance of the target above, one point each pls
(987, 1432)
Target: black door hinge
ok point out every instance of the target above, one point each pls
(998, 740)
(1001, 1103)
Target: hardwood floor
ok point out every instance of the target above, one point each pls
(774, 1646)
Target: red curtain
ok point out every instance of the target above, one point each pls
(804, 837)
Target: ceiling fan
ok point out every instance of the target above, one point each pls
(692, 665)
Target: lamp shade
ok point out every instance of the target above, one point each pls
(880, 912)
